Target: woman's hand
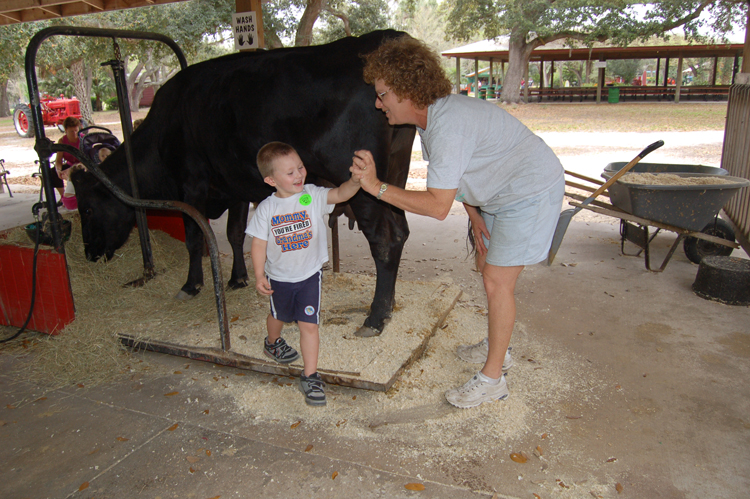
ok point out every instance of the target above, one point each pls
(363, 167)
(478, 228)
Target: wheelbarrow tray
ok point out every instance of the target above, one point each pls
(665, 168)
(688, 206)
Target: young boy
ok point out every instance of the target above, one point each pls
(288, 251)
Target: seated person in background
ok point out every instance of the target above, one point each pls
(64, 160)
(69, 200)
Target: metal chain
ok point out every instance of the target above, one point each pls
(118, 55)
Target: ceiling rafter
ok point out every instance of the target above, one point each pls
(20, 11)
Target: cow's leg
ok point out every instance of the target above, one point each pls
(195, 245)
(236, 224)
(386, 230)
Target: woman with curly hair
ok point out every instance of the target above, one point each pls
(509, 180)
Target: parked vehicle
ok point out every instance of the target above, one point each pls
(54, 112)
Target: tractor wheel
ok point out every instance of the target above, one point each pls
(697, 249)
(23, 121)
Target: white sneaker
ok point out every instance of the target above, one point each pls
(477, 354)
(476, 392)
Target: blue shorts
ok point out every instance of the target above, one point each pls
(521, 233)
(297, 301)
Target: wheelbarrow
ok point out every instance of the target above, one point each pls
(688, 210)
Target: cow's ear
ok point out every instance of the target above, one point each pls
(270, 181)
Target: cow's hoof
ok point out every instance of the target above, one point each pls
(183, 295)
(237, 284)
(367, 332)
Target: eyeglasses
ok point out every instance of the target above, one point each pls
(382, 94)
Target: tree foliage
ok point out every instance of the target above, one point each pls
(533, 23)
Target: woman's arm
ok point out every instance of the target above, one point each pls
(58, 161)
(435, 203)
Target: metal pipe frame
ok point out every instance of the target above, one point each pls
(45, 148)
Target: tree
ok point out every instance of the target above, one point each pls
(533, 23)
(13, 41)
(351, 18)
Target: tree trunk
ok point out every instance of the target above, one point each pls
(519, 52)
(79, 84)
(4, 105)
(306, 23)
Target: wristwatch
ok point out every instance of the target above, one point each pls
(383, 187)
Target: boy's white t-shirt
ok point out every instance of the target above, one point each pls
(296, 233)
(487, 154)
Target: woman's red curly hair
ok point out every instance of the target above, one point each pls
(410, 68)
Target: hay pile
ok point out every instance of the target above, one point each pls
(671, 179)
(87, 351)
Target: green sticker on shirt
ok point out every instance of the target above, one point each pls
(305, 199)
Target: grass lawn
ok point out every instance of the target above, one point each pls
(605, 117)
(621, 117)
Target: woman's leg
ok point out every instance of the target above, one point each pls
(500, 285)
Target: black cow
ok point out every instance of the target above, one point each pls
(199, 142)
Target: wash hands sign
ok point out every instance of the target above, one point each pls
(245, 32)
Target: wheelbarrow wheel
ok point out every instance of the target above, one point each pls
(697, 249)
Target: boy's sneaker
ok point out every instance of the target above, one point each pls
(314, 389)
(280, 351)
(477, 391)
(477, 354)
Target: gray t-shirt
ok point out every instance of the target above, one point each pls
(296, 232)
(487, 154)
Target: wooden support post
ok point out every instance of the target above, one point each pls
(253, 6)
(458, 75)
(656, 74)
(476, 78)
(600, 85)
(541, 74)
(552, 74)
(679, 81)
(713, 71)
(526, 84)
(666, 72)
(489, 80)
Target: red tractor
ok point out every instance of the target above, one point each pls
(54, 112)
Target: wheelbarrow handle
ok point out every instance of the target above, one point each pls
(625, 169)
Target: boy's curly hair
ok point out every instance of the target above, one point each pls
(410, 68)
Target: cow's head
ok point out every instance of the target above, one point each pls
(105, 222)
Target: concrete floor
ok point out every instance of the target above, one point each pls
(670, 417)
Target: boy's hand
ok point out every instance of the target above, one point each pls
(263, 286)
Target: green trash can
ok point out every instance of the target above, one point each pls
(614, 95)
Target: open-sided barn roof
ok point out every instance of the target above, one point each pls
(21, 11)
(497, 51)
